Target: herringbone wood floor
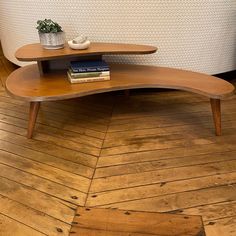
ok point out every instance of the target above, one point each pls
(155, 151)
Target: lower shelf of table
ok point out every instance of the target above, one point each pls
(26, 83)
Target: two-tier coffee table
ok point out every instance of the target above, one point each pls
(47, 80)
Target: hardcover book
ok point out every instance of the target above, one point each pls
(89, 66)
(88, 74)
(87, 79)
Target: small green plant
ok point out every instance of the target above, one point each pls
(48, 26)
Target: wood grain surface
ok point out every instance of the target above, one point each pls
(113, 222)
(35, 52)
(55, 86)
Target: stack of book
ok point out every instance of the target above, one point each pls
(88, 71)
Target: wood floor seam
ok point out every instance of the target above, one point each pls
(99, 155)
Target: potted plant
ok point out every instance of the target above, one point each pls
(51, 34)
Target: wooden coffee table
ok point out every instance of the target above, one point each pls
(47, 81)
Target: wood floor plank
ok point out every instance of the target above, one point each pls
(221, 227)
(60, 108)
(142, 103)
(182, 200)
(112, 222)
(51, 149)
(72, 120)
(166, 144)
(33, 218)
(59, 176)
(38, 200)
(44, 185)
(135, 109)
(124, 139)
(63, 164)
(158, 176)
(88, 232)
(56, 120)
(171, 128)
(85, 106)
(69, 135)
(167, 115)
(164, 120)
(74, 126)
(50, 112)
(178, 132)
(81, 130)
(97, 102)
(159, 189)
(62, 142)
(11, 227)
(58, 132)
(163, 164)
(90, 150)
(154, 144)
(213, 212)
(155, 155)
(161, 122)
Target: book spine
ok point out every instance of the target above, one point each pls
(90, 79)
(94, 79)
(90, 69)
(89, 74)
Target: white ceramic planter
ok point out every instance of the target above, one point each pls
(52, 40)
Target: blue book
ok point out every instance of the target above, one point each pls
(89, 66)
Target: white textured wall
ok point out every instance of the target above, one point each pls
(198, 35)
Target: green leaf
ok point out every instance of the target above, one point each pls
(48, 26)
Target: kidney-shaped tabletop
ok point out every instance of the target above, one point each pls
(26, 83)
(35, 52)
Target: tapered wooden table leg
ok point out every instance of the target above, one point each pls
(34, 108)
(215, 106)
